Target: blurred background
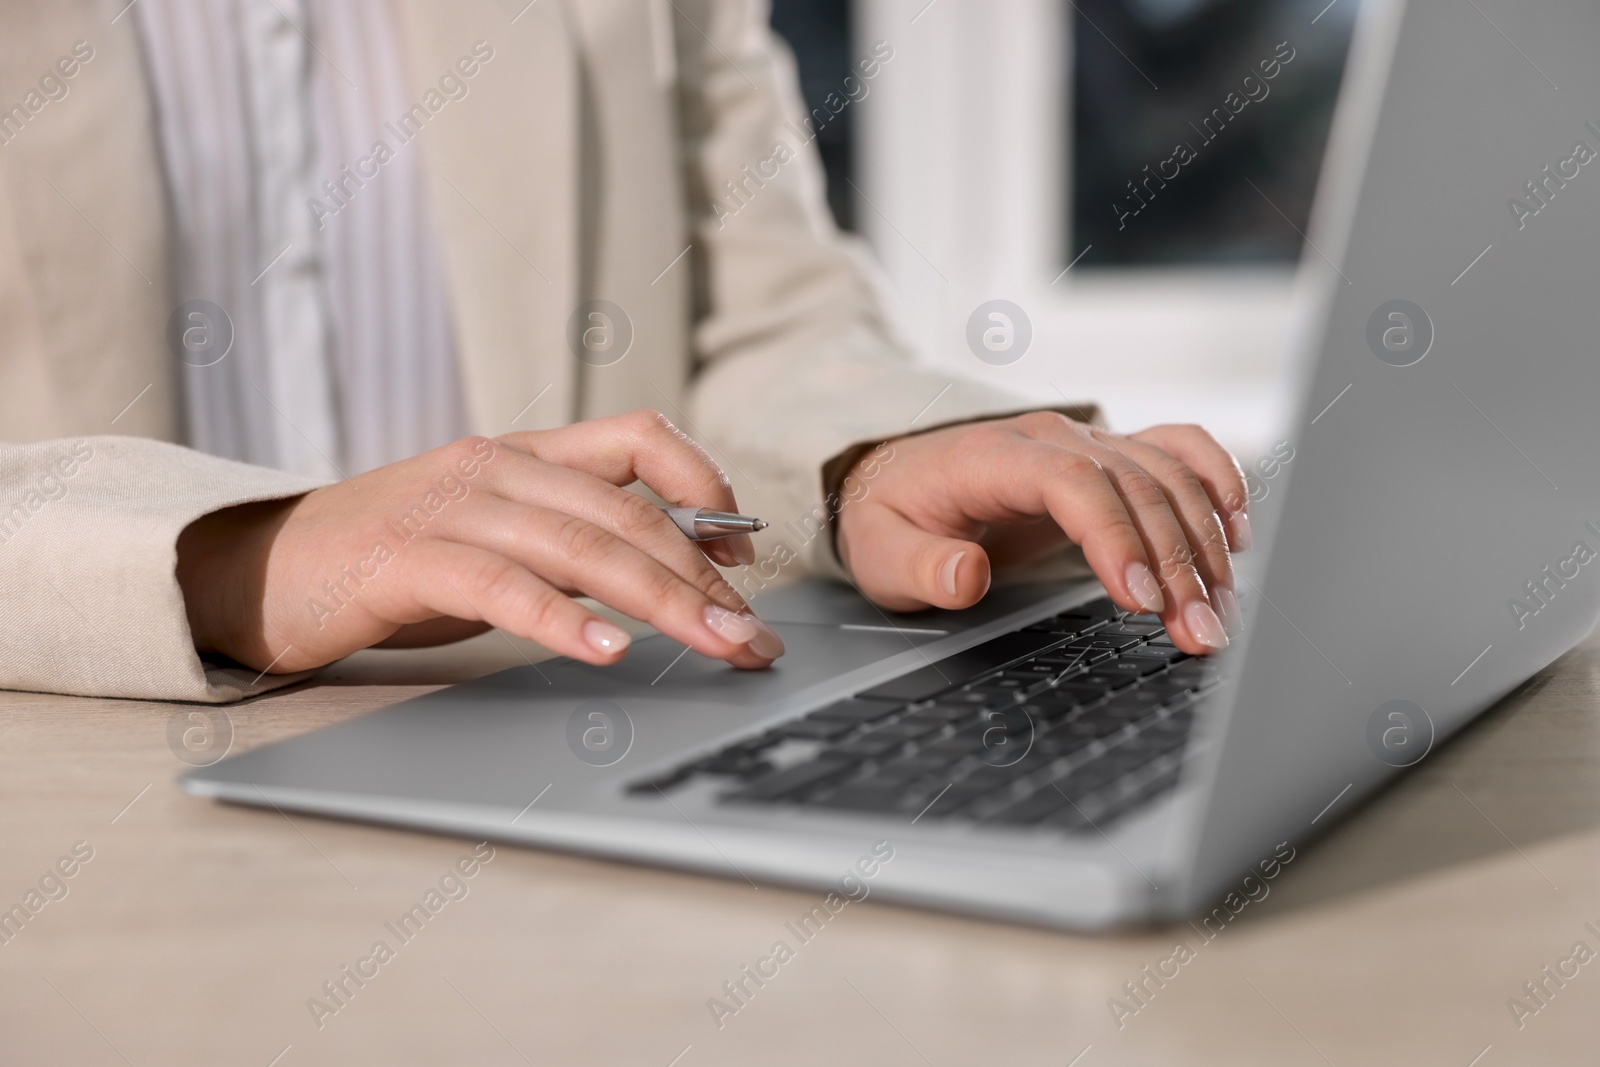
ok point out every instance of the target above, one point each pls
(1005, 158)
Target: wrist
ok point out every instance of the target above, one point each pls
(221, 570)
(847, 478)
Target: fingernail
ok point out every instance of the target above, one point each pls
(729, 625)
(1146, 593)
(744, 550)
(1204, 625)
(1239, 536)
(766, 643)
(604, 637)
(1227, 605)
(947, 573)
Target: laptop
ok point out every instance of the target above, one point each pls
(1428, 539)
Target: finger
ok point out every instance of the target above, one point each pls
(536, 483)
(904, 568)
(1187, 611)
(1217, 470)
(1202, 526)
(1007, 484)
(466, 582)
(1185, 608)
(574, 555)
(644, 446)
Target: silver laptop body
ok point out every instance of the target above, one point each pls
(1433, 542)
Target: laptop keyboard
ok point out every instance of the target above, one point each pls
(1067, 724)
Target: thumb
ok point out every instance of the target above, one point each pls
(903, 567)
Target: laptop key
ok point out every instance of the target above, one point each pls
(962, 698)
(1102, 640)
(1070, 819)
(1132, 629)
(1006, 681)
(953, 671)
(1127, 664)
(866, 748)
(1164, 686)
(854, 711)
(794, 779)
(1079, 690)
(903, 730)
(1134, 704)
(1031, 808)
(1195, 674)
(1112, 679)
(1035, 667)
(870, 796)
(1164, 653)
(1067, 658)
(915, 766)
(1159, 784)
(1090, 725)
(1044, 710)
(815, 729)
(1067, 628)
(1159, 742)
(953, 748)
(1090, 778)
(663, 782)
(1056, 745)
(1114, 802)
(733, 762)
(944, 713)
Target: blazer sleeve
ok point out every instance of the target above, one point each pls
(799, 362)
(88, 551)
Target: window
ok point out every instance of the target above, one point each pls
(1159, 82)
(819, 33)
(994, 143)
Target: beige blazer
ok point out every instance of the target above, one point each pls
(590, 161)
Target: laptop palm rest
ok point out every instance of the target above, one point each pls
(502, 739)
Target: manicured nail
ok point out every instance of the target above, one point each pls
(1146, 593)
(1227, 605)
(744, 550)
(729, 625)
(604, 637)
(1239, 536)
(947, 573)
(766, 642)
(1204, 625)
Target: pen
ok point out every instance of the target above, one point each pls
(704, 524)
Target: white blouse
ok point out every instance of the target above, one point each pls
(333, 352)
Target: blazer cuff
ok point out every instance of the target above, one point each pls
(88, 555)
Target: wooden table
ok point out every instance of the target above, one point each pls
(198, 932)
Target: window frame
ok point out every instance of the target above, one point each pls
(952, 230)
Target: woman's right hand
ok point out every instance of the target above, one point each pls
(479, 533)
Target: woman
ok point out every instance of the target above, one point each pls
(474, 252)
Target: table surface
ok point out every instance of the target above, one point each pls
(199, 933)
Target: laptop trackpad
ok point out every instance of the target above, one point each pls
(829, 632)
(659, 669)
